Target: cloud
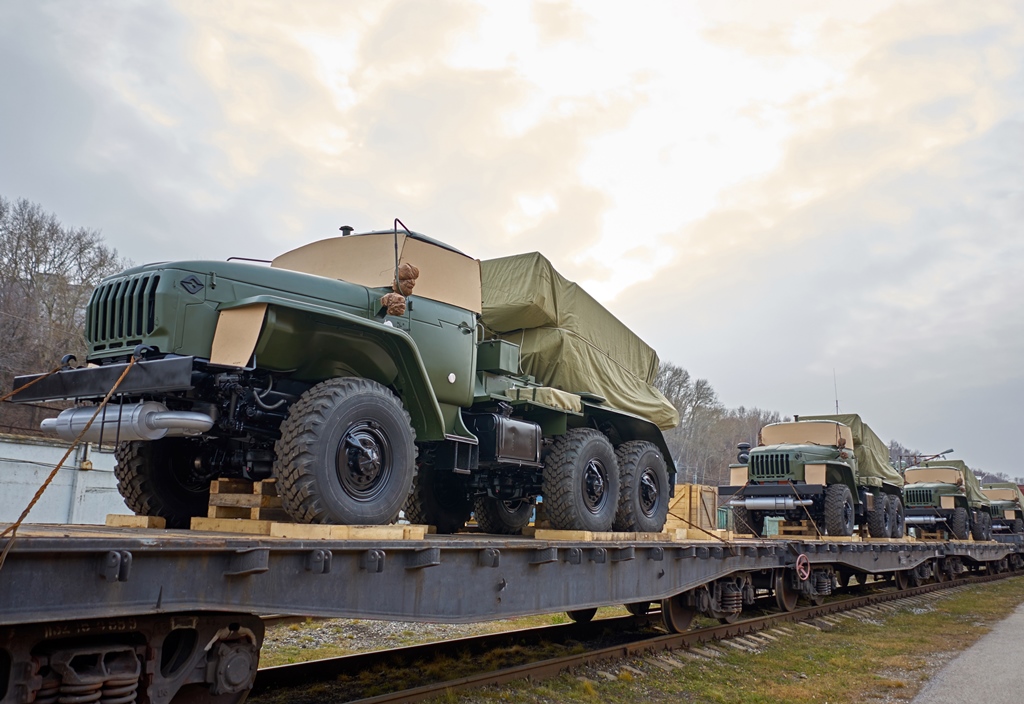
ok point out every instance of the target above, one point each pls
(884, 245)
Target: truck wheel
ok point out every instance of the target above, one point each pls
(643, 488)
(744, 521)
(958, 523)
(346, 454)
(838, 510)
(502, 517)
(154, 477)
(978, 526)
(1017, 526)
(581, 482)
(438, 499)
(879, 525)
(897, 517)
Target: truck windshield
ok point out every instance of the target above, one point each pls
(809, 432)
(1000, 494)
(944, 475)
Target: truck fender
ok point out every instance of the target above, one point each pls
(405, 372)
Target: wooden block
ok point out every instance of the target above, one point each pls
(267, 487)
(227, 512)
(416, 532)
(306, 531)
(374, 532)
(678, 534)
(231, 525)
(245, 500)
(118, 520)
(231, 486)
(547, 534)
(270, 513)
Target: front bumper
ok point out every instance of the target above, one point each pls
(147, 376)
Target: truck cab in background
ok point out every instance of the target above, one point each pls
(1007, 506)
(945, 495)
(830, 470)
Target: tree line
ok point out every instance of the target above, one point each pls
(47, 273)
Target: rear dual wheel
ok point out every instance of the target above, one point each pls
(880, 519)
(839, 514)
(581, 482)
(643, 488)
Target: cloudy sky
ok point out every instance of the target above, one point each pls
(766, 192)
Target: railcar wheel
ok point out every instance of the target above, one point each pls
(745, 521)
(155, 479)
(880, 520)
(902, 579)
(677, 614)
(639, 608)
(643, 488)
(439, 499)
(502, 517)
(582, 615)
(581, 482)
(897, 517)
(838, 510)
(346, 454)
(958, 523)
(786, 595)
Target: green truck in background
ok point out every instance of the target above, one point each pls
(369, 373)
(946, 494)
(830, 469)
(1007, 506)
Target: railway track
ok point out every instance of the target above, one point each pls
(603, 640)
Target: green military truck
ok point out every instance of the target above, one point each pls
(369, 373)
(830, 469)
(1007, 506)
(945, 494)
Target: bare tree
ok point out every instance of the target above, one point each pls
(47, 272)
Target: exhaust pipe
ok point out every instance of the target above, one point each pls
(771, 503)
(924, 520)
(148, 420)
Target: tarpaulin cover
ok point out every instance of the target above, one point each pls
(568, 340)
(971, 483)
(872, 454)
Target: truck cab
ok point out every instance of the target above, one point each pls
(820, 469)
(945, 495)
(1007, 506)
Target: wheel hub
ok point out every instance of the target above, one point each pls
(594, 486)
(649, 493)
(362, 463)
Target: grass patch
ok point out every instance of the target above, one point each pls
(855, 662)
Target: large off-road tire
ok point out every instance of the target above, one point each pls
(744, 521)
(897, 517)
(154, 478)
(978, 526)
(958, 524)
(1017, 526)
(879, 520)
(502, 517)
(643, 488)
(346, 455)
(581, 482)
(439, 499)
(839, 514)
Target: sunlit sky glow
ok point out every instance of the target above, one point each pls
(766, 192)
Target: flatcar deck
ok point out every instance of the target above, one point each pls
(60, 572)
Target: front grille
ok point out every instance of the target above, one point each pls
(770, 466)
(122, 311)
(917, 497)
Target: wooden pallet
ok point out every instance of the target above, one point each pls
(303, 531)
(238, 498)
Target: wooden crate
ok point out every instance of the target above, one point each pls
(694, 506)
(238, 498)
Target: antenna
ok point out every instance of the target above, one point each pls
(835, 388)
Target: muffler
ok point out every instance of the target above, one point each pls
(148, 420)
(771, 503)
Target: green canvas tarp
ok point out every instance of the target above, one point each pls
(971, 483)
(1006, 485)
(568, 340)
(872, 454)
